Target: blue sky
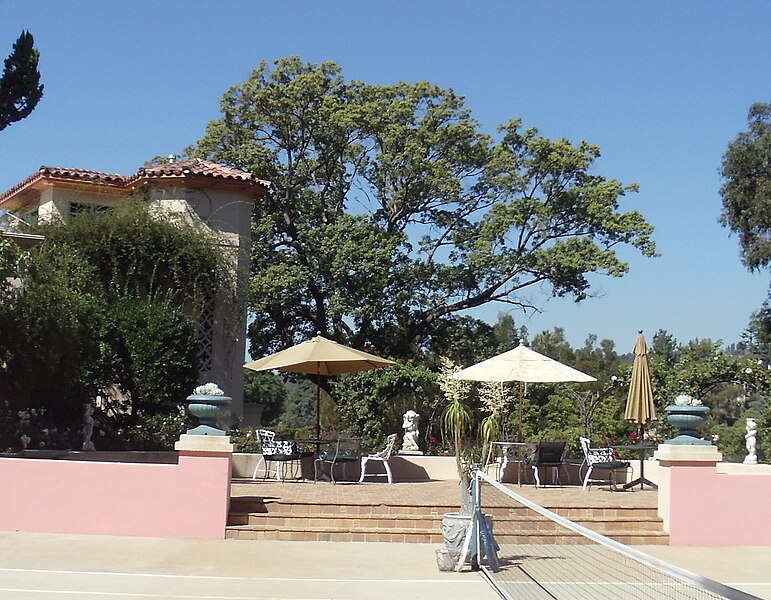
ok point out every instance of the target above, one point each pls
(661, 87)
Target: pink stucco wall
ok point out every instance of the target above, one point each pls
(184, 500)
(708, 508)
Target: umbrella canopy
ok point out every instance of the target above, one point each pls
(522, 364)
(639, 404)
(321, 357)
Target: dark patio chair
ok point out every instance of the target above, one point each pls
(344, 451)
(547, 454)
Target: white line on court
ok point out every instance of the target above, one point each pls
(234, 578)
(131, 595)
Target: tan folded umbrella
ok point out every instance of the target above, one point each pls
(321, 357)
(640, 407)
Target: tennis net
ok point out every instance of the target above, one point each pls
(575, 562)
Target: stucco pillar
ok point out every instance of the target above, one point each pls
(675, 456)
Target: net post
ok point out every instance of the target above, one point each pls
(476, 502)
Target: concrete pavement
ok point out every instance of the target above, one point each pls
(53, 567)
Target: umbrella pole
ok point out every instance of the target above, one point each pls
(519, 416)
(318, 402)
(641, 479)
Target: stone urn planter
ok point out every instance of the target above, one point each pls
(454, 527)
(210, 410)
(687, 420)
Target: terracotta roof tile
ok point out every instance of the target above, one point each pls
(196, 166)
(82, 174)
(177, 169)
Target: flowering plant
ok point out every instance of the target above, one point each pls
(686, 400)
(209, 389)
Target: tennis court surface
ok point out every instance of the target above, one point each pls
(573, 562)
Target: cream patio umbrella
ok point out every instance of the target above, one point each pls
(640, 408)
(321, 357)
(526, 366)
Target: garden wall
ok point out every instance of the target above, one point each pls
(188, 499)
(404, 467)
(722, 505)
(705, 502)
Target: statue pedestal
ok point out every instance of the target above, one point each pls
(411, 452)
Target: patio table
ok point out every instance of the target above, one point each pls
(314, 442)
(642, 449)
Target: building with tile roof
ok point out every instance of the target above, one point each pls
(217, 195)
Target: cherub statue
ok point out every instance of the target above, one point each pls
(750, 440)
(88, 427)
(410, 425)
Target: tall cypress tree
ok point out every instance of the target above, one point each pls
(20, 88)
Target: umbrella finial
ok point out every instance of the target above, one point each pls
(521, 341)
(639, 331)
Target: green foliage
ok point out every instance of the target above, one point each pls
(20, 88)
(457, 423)
(150, 432)
(267, 389)
(11, 257)
(53, 348)
(758, 334)
(392, 212)
(245, 440)
(106, 306)
(300, 406)
(746, 189)
(491, 430)
(372, 402)
(150, 352)
(137, 251)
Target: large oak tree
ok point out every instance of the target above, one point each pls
(392, 212)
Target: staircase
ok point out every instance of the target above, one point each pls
(273, 518)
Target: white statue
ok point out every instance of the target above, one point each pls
(88, 428)
(410, 425)
(750, 439)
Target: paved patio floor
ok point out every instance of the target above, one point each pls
(434, 493)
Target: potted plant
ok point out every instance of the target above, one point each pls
(455, 426)
(687, 415)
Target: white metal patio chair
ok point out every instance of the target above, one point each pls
(279, 453)
(602, 459)
(381, 456)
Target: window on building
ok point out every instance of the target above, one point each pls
(78, 208)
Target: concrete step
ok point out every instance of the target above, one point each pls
(255, 518)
